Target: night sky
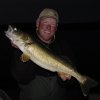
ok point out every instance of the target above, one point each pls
(70, 11)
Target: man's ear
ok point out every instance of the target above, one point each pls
(37, 23)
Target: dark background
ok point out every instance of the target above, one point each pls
(70, 11)
(79, 23)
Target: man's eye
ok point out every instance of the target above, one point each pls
(52, 25)
(45, 22)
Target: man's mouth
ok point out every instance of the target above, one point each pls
(47, 32)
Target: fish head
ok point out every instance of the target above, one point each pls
(12, 33)
(16, 35)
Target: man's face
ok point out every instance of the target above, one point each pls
(47, 28)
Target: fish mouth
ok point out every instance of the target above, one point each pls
(9, 31)
(7, 34)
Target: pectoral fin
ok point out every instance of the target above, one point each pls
(24, 58)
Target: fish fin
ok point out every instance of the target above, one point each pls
(87, 85)
(24, 58)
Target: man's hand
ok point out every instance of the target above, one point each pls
(64, 76)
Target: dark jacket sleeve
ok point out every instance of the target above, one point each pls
(72, 81)
(23, 72)
(67, 54)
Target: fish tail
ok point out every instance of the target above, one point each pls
(87, 85)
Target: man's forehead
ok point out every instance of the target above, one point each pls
(45, 17)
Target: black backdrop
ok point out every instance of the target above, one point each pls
(70, 11)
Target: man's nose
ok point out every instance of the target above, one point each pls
(48, 27)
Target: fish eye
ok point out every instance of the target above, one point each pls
(15, 29)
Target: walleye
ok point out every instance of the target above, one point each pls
(43, 57)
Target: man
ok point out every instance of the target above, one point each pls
(46, 27)
(35, 82)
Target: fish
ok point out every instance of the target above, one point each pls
(45, 58)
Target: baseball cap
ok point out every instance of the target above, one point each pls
(47, 12)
